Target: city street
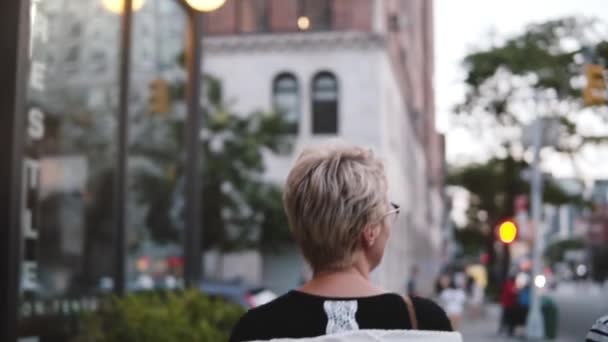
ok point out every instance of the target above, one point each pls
(579, 306)
(181, 163)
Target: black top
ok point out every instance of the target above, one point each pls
(298, 315)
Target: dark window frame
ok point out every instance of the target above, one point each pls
(320, 109)
(295, 126)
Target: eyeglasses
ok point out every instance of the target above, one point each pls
(394, 212)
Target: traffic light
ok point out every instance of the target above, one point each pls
(507, 231)
(159, 96)
(595, 90)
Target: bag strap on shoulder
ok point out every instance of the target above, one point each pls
(411, 312)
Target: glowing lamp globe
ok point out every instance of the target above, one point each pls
(205, 5)
(117, 6)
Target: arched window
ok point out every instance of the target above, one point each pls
(286, 99)
(324, 104)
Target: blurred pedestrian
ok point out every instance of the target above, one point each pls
(336, 200)
(443, 282)
(453, 299)
(475, 293)
(523, 304)
(599, 331)
(508, 303)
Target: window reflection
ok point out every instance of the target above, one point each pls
(72, 204)
(156, 157)
(325, 104)
(286, 98)
(70, 155)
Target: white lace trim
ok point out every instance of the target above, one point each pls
(340, 316)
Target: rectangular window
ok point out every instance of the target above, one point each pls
(325, 118)
(325, 104)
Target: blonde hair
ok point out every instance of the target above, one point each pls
(331, 194)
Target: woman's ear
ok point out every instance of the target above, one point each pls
(369, 235)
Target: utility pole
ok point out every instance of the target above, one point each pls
(535, 323)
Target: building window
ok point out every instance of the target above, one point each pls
(325, 104)
(286, 99)
(318, 14)
(252, 16)
(73, 54)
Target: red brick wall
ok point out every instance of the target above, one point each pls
(222, 21)
(283, 15)
(353, 15)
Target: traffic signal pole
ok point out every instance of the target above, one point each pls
(535, 324)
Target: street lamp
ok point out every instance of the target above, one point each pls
(192, 239)
(118, 6)
(192, 236)
(205, 5)
(303, 23)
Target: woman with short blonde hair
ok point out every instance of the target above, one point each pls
(336, 201)
(330, 196)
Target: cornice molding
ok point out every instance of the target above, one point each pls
(277, 42)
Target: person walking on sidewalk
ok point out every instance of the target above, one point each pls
(508, 303)
(453, 298)
(336, 201)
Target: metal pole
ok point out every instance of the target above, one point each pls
(192, 235)
(120, 176)
(535, 324)
(14, 38)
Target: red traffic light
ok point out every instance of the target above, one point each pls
(507, 232)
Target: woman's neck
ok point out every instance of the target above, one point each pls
(348, 282)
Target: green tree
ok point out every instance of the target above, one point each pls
(240, 208)
(508, 84)
(492, 190)
(489, 185)
(535, 72)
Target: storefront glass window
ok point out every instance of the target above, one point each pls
(157, 151)
(69, 157)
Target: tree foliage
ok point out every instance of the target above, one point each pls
(536, 72)
(166, 317)
(240, 207)
(490, 188)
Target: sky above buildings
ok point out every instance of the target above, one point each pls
(462, 26)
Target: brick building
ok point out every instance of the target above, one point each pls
(359, 70)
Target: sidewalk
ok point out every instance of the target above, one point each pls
(484, 329)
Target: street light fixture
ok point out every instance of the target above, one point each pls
(192, 238)
(118, 6)
(205, 5)
(303, 23)
(193, 265)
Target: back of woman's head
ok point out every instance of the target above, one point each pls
(331, 194)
